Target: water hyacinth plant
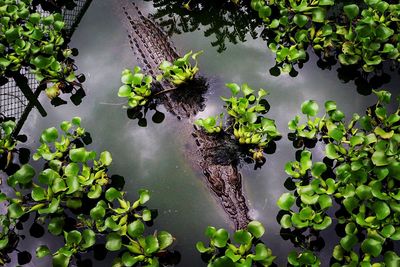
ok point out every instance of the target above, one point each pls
(73, 175)
(245, 120)
(357, 33)
(30, 39)
(361, 173)
(247, 249)
(181, 70)
(7, 141)
(138, 87)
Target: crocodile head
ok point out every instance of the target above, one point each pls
(218, 159)
(226, 182)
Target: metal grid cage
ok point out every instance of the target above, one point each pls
(13, 103)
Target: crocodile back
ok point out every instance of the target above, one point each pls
(147, 40)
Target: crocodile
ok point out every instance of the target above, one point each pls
(215, 156)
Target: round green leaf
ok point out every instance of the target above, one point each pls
(371, 246)
(242, 237)
(165, 239)
(49, 135)
(220, 238)
(42, 251)
(309, 108)
(351, 11)
(73, 238)
(256, 229)
(89, 238)
(15, 211)
(286, 201)
(135, 229)
(114, 242)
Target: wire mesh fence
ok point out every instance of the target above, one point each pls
(13, 102)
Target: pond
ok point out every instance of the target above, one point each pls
(154, 156)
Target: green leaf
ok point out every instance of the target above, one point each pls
(135, 229)
(49, 135)
(128, 260)
(286, 221)
(112, 194)
(318, 15)
(330, 151)
(165, 239)
(15, 211)
(42, 251)
(60, 260)
(220, 237)
(89, 238)
(348, 242)
(201, 248)
(330, 106)
(381, 210)
(105, 158)
(246, 89)
(114, 242)
(56, 225)
(242, 237)
(73, 238)
(79, 155)
(351, 11)
(144, 196)
(97, 213)
(286, 201)
(309, 108)
(336, 134)
(47, 176)
(379, 158)
(318, 169)
(152, 245)
(38, 194)
(24, 175)
(256, 229)
(235, 89)
(371, 246)
(300, 20)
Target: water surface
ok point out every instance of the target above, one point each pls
(154, 157)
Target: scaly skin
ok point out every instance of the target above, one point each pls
(215, 155)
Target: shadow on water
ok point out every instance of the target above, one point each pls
(232, 23)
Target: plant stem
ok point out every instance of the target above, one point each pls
(165, 91)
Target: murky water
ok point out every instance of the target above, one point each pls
(153, 157)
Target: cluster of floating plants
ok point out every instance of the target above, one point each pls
(246, 250)
(137, 87)
(7, 141)
(360, 33)
(245, 120)
(72, 176)
(361, 172)
(30, 39)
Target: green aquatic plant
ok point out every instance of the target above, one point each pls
(30, 39)
(364, 158)
(7, 141)
(303, 259)
(247, 249)
(181, 70)
(72, 175)
(245, 120)
(363, 33)
(136, 87)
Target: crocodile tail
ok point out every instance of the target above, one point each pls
(149, 43)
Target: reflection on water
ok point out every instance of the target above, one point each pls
(154, 157)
